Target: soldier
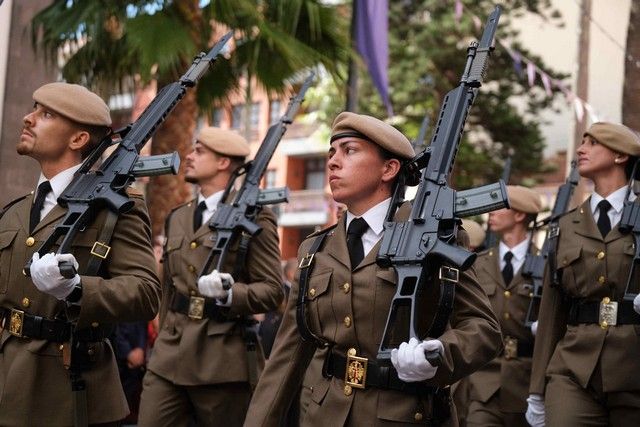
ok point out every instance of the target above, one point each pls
(498, 392)
(350, 296)
(40, 313)
(200, 367)
(587, 353)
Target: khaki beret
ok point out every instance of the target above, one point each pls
(524, 199)
(475, 231)
(374, 130)
(616, 137)
(222, 141)
(74, 102)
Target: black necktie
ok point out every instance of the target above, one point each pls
(604, 224)
(356, 229)
(34, 217)
(197, 215)
(507, 271)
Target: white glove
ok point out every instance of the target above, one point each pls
(45, 274)
(636, 304)
(535, 410)
(410, 361)
(534, 328)
(211, 285)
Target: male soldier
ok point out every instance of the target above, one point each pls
(66, 123)
(498, 392)
(349, 299)
(200, 367)
(587, 354)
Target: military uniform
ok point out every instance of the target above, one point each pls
(499, 390)
(205, 360)
(34, 384)
(603, 360)
(349, 309)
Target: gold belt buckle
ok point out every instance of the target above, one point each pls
(196, 308)
(306, 261)
(100, 250)
(16, 321)
(510, 348)
(356, 372)
(608, 315)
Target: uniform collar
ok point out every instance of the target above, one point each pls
(374, 216)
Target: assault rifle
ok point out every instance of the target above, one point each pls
(491, 238)
(94, 190)
(630, 222)
(423, 248)
(533, 267)
(236, 217)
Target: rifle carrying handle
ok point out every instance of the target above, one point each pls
(433, 357)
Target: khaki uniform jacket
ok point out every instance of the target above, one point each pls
(510, 303)
(350, 309)
(593, 268)
(34, 386)
(198, 352)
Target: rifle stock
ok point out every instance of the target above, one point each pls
(422, 249)
(91, 191)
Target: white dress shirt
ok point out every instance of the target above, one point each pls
(375, 219)
(617, 203)
(58, 184)
(211, 202)
(519, 252)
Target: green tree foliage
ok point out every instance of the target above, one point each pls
(427, 48)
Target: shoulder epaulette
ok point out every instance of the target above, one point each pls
(322, 231)
(11, 203)
(183, 204)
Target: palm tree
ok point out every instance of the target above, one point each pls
(109, 42)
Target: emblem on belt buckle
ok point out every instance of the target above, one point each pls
(608, 315)
(510, 348)
(196, 308)
(16, 321)
(356, 372)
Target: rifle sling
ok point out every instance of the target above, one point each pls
(445, 305)
(306, 265)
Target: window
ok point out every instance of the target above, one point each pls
(270, 178)
(274, 112)
(216, 117)
(314, 173)
(237, 116)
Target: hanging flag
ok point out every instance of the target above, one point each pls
(546, 82)
(372, 29)
(531, 73)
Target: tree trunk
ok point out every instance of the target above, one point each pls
(582, 88)
(165, 192)
(631, 93)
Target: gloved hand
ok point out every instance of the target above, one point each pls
(534, 328)
(636, 304)
(211, 285)
(45, 274)
(410, 361)
(535, 410)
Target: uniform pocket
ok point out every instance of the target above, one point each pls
(569, 268)
(172, 253)
(6, 239)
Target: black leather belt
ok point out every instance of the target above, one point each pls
(25, 325)
(197, 308)
(374, 375)
(595, 311)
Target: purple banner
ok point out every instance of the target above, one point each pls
(372, 27)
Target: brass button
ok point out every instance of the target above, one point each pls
(606, 300)
(90, 352)
(30, 241)
(348, 390)
(95, 324)
(312, 292)
(506, 316)
(600, 255)
(61, 347)
(191, 268)
(347, 321)
(604, 324)
(193, 245)
(192, 292)
(601, 280)
(346, 287)
(507, 294)
(418, 416)
(26, 302)
(352, 352)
